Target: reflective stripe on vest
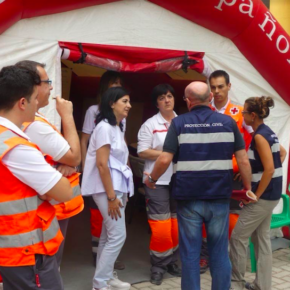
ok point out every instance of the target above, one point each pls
(274, 188)
(203, 163)
(28, 225)
(70, 208)
(235, 112)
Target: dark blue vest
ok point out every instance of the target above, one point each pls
(203, 164)
(274, 189)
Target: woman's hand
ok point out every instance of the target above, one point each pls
(114, 208)
(246, 202)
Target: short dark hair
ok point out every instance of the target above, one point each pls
(16, 83)
(220, 73)
(30, 64)
(107, 78)
(161, 90)
(112, 95)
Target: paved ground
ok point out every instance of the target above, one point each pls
(280, 276)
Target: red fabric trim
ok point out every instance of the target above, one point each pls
(159, 131)
(132, 59)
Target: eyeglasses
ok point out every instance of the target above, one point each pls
(245, 112)
(47, 81)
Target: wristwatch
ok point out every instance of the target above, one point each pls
(112, 199)
(151, 180)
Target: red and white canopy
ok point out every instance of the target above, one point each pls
(241, 37)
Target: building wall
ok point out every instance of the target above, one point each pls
(281, 10)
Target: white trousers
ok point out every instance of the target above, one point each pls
(112, 239)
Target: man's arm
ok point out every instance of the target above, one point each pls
(244, 167)
(160, 167)
(29, 166)
(61, 191)
(73, 155)
(242, 157)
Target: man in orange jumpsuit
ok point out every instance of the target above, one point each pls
(220, 86)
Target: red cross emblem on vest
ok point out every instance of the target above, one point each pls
(234, 110)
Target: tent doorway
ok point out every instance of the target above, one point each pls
(80, 85)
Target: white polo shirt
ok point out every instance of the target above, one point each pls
(90, 120)
(106, 134)
(28, 164)
(152, 135)
(222, 110)
(47, 139)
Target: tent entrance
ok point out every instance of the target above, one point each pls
(141, 69)
(80, 83)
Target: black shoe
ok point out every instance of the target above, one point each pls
(156, 278)
(250, 286)
(119, 265)
(174, 270)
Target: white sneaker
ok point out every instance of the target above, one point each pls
(104, 288)
(117, 284)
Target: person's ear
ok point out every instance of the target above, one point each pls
(22, 103)
(210, 97)
(253, 116)
(187, 103)
(229, 86)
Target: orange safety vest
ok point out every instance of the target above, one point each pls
(28, 225)
(70, 208)
(235, 112)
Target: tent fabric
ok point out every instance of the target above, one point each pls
(250, 26)
(132, 59)
(13, 11)
(14, 49)
(142, 24)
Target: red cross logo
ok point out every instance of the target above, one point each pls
(234, 110)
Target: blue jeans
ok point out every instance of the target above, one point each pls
(191, 214)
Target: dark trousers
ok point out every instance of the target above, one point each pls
(63, 224)
(44, 275)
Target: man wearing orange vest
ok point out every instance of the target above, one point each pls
(220, 86)
(29, 230)
(63, 153)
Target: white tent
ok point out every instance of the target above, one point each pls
(139, 24)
